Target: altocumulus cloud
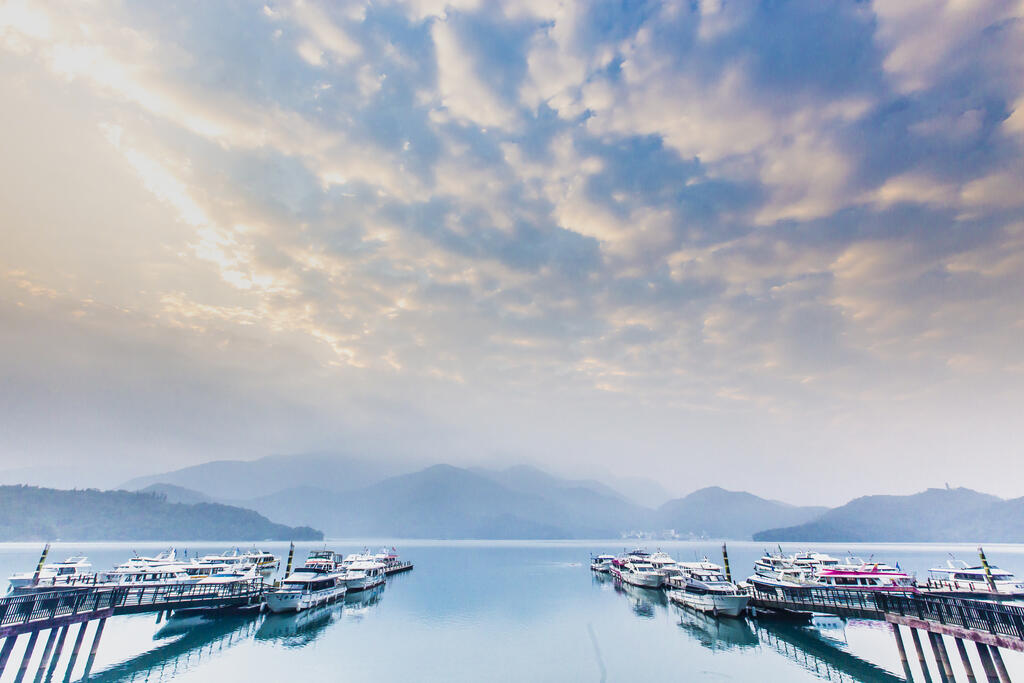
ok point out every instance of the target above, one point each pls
(711, 236)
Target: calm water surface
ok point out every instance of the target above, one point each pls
(512, 611)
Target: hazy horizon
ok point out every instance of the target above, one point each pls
(772, 248)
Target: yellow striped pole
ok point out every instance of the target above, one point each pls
(725, 562)
(291, 554)
(988, 570)
(39, 567)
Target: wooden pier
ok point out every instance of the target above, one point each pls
(990, 625)
(58, 609)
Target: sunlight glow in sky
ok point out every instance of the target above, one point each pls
(772, 246)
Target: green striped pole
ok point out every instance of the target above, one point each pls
(291, 554)
(725, 562)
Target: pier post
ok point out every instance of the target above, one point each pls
(28, 655)
(986, 663)
(725, 563)
(903, 651)
(291, 554)
(920, 655)
(57, 651)
(5, 652)
(988, 570)
(941, 657)
(95, 647)
(997, 657)
(47, 651)
(74, 651)
(966, 660)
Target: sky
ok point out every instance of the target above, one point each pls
(773, 246)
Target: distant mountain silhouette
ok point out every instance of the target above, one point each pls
(235, 480)
(177, 494)
(29, 513)
(443, 501)
(947, 515)
(717, 513)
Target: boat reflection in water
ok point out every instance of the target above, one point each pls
(302, 628)
(716, 633)
(645, 600)
(823, 656)
(189, 641)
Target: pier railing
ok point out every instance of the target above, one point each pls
(49, 606)
(814, 599)
(42, 608)
(976, 615)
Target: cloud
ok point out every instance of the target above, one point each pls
(749, 232)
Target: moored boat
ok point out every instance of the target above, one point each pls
(364, 574)
(602, 563)
(637, 572)
(69, 572)
(963, 580)
(319, 581)
(705, 588)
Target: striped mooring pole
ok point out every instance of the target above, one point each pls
(725, 563)
(291, 554)
(39, 567)
(988, 570)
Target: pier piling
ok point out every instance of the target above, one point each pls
(920, 655)
(986, 663)
(997, 658)
(57, 651)
(903, 652)
(47, 651)
(966, 660)
(941, 657)
(5, 652)
(39, 567)
(74, 651)
(95, 647)
(988, 570)
(725, 563)
(291, 554)
(28, 656)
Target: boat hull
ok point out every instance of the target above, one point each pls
(281, 602)
(363, 583)
(653, 581)
(711, 603)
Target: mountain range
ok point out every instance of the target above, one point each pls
(353, 497)
(940, 515)
(92, 515)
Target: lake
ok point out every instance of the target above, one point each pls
(499, 611)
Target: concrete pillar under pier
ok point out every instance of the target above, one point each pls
(47, 651)
(28, 656)
(986, 663)
(942, 655)
(997, 658)
(5, 652)
(57, 651)
(966, 660)
(74, 651)
(903, 652)
(95, 647)
(920, 655)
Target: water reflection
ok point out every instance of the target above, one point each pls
(195, 639)
(819, 654)
(645, 600)
(819, 648)
(716, 633)
(188, 641)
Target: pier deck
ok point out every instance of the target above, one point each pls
(56, 608)
(990, 623)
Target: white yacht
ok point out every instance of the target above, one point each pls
(706, 589)
(962, 579)
(363, 574)
(637, 572)
(72, 570)
(167, 557)
(231, 574)
(602, 563)
(308, 586)
(771, 564)
(814, 562)
(153, 574)
(266, 563)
